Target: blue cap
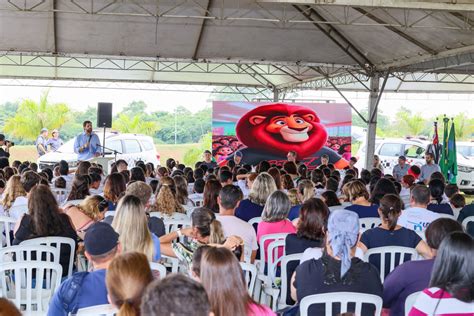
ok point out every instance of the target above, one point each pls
(239, 154)
(100, 238)
(44, 129)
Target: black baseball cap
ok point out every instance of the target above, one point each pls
(208, 152)
(100, 238)
(402, 158)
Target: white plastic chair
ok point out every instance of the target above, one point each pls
(103, 310)
(61, 195)
(466, 221)
(369, 223)
(255, 220)
(175, 224)
(155, 266)
(56, 242)
(6, 224)
(175, 215)
(392, 251)
(109, 213)
(284, 287)
(250, 271)
(171, 262)
(343, 298)
(17, 211)
(29, 253)
(72, 202)
(18, 285)
(441, 215)
(410, 301)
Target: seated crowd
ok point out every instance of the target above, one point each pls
(211, 219)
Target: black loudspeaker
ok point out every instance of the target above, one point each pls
(104, 115)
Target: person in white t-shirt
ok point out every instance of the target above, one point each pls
(417, 217)
(229, 199)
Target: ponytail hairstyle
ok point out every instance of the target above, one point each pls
(306, 189)
(391, 207)
(204, 220)
(436, 187)
(127, 278)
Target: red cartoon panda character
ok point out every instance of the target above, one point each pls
(270, 131)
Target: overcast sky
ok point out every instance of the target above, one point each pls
(79, 98)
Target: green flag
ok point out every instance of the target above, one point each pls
(443, 161)
(452, 163)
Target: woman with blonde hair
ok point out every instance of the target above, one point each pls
(89, 211)
(131, 223)
(305, 192)
(262, 187)
(224, 281)
(166, 202)
(127, 277)
(359, 197)
(13, 190)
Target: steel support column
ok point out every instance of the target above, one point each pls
(372, 124)
(276, 95)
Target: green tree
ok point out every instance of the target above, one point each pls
(194, 155)
(464, 126)
(410, 124)
(135, 108)
(383, 121)
(136, 124)
(32, 116)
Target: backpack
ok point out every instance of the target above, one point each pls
(68, 294)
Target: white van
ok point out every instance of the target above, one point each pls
(389, 149)
(129, 147)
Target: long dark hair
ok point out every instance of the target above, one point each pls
(114, 187)
(137, 174)
(391, 207)
(44, 212)
(436, 187)
(382, 186)
(80, 188)
(330, 198)
(210, 194)
(313, 221)
(453, 269)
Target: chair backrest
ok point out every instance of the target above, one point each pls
(171, 262)
(60, 194)
(442, 215)
(109, 213)
(18, 210)
(250, 271)
(72, 202)
(56, 242)
(368, 223)
(265, 238)
(255, 220)
(29, 253)
(6, 224)
(392, 251)
(175, 224)
(410, 301)
(155, 266)
(175, 215)
(466, 221)
(344, 299)
(285, 260)
(30, 284)
(103, 310)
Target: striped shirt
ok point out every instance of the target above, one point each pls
(435, 301)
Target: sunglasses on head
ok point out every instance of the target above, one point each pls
(103, 205)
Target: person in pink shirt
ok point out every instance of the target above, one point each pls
(451, 290)
(275, 219)
(224, 281)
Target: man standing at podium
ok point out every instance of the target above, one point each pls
(87, 144)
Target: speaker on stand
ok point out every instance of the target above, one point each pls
(104, 119)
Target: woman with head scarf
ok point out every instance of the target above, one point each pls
(338, 269)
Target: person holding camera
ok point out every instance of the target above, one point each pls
(5, 146)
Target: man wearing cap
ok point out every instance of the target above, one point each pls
(208, 160)
(400, 169)
(55, 142)
(41, 142)
(84, 289)
(4, 152)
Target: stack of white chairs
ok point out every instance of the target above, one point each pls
(266, 279)
(6, 224)
(285, 286)
(250, 271)
(29, 276)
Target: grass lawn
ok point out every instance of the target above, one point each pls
(166, 151)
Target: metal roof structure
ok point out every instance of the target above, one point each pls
(276, 45)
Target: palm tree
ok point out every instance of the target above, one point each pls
(136, 124)
(31, 117)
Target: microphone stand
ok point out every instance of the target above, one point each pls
(115, 152)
